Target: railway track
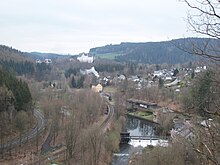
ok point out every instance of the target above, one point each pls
(103, 127)
(109, 118)
(41, 124)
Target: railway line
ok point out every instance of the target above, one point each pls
(39, 127)
(109, 118)
(57, 155)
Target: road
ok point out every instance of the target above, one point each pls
(41, 123)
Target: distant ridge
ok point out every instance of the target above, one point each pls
(153, 52)
(8, 53)
(42, 56)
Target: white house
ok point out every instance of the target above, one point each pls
(38, 61)
(158, 73)
(48, 61)
(85, 58)
(134, 79)
(89, 71)
(121, 77)
(168, 78)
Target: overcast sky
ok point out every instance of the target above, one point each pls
(75, 26)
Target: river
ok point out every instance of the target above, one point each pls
(135, 127)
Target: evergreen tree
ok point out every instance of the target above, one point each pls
(201, 95)
(193, 74)
(80, 82)
(161, 82)
(73, 82)
(18, 67)
(19, 89)
(175, 72)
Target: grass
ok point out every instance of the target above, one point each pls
(110, 56)
(144, 115)
(109, 89)
(54, 162)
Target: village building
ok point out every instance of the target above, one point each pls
(121, 77)
(85, 58)
(38, 61)
(90, 71)
(48, 61)
(98, 88)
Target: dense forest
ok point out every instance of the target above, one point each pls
(20, 96)
(9, 53)
(20, 63)
(171, 52)
(20, 68)
(15, 61)
(109, 67)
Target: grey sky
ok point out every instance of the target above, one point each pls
(74, 26)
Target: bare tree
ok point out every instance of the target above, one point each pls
(21, 122)
(95, 141)
(203, 101)
(204, 19)
(72, 133)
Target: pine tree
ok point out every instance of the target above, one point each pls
(73, 82)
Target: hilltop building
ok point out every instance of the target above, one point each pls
(85, 58)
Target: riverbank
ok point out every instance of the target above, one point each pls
(143, 116)
(136, 126)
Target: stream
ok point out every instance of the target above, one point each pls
(135, 127)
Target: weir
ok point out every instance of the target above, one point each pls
(125, 137)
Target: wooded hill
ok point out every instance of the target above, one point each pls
(20, 63)
(15, 61)
(16, 92)
(9, 53)
(171, 52)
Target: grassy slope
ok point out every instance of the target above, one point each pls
(141, 114)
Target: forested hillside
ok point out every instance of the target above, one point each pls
(9, 53)
(13, 92)
(171, 52)
(15, 61)
(16, 113)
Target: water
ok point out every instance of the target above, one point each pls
(136, 127)
(121, 158)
